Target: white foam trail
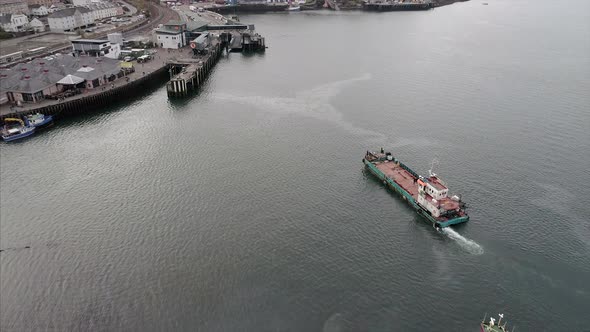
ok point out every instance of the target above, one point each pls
(315, 103)
(471, 246)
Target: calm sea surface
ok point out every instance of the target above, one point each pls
(246, 207)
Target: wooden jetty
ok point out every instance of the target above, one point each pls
(189, 74)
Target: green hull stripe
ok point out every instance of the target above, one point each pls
(407, 197)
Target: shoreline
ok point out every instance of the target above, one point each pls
(316, 5)
(151, 74)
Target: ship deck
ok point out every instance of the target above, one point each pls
(402, 177)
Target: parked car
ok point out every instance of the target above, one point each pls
(128, 58)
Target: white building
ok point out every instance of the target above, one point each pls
(39, 10)
(14, 22)
(37, 25)
(103, 10)
(169, 39)
(94, 47)
(171, 35)
(114, 52)
(70, 19)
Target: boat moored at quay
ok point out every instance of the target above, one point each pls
(38, 120)
(427, 195)
(11, 132)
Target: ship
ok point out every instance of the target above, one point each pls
(38, 120)
(491, 325)
(15, 132)
(396, 5)
(429, 196)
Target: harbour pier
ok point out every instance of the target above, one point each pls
(184, 69)
(189, 73)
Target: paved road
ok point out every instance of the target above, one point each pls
(164, 15)
(208, 16)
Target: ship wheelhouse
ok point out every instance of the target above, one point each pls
(433, 196)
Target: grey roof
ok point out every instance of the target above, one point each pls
(168, 31)
(196, 24)
(5, 18)
(43, 73)
(68, 12)
(29, 85)
(36, 20)
(34, 6)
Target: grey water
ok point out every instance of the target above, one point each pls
(246, 206)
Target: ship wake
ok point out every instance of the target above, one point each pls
(469, 245)
(316, 103)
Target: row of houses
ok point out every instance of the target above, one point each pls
(26, 7)
(59, 18)
(70, 19)
(20, 22)
(36, 80)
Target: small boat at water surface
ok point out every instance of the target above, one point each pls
(491, 326)
(38, 120)
(15, 132)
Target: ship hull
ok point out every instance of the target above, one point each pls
(392, 185)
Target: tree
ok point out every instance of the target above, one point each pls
(4, 34)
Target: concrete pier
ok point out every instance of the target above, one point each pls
(188, 74)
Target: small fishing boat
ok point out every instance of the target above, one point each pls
(13, 133)
(38, 120)
(491, 325)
